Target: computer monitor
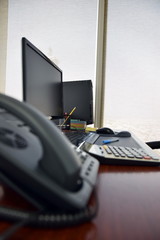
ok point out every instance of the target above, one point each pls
(42, 81)
(79, 94)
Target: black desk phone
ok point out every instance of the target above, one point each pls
(39, 162)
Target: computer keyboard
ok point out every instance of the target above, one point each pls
(77, 137)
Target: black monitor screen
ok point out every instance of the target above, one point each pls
(79, 94)
(42, 81)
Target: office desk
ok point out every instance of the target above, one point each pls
(129, 208)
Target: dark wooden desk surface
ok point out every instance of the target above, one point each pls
(129, 208)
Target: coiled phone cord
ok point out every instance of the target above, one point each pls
(44, 219)
(47, 219)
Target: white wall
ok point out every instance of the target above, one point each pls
(3, 42)
(133, 60)
(65, 30)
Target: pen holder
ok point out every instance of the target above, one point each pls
(66, 122)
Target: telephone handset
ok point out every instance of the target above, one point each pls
(41, 162)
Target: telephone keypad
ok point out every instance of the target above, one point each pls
(90, 166)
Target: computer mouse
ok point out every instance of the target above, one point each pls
(123, 134)
(104, 130)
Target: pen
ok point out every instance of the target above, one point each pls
(110, 140)
(68, 116)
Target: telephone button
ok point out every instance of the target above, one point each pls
(87, 173)
(20, 142)
(78, 151)
(84, 155)
(89, 168)
(4, 131)
(12, 139)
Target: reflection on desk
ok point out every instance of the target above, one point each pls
(129, 201)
